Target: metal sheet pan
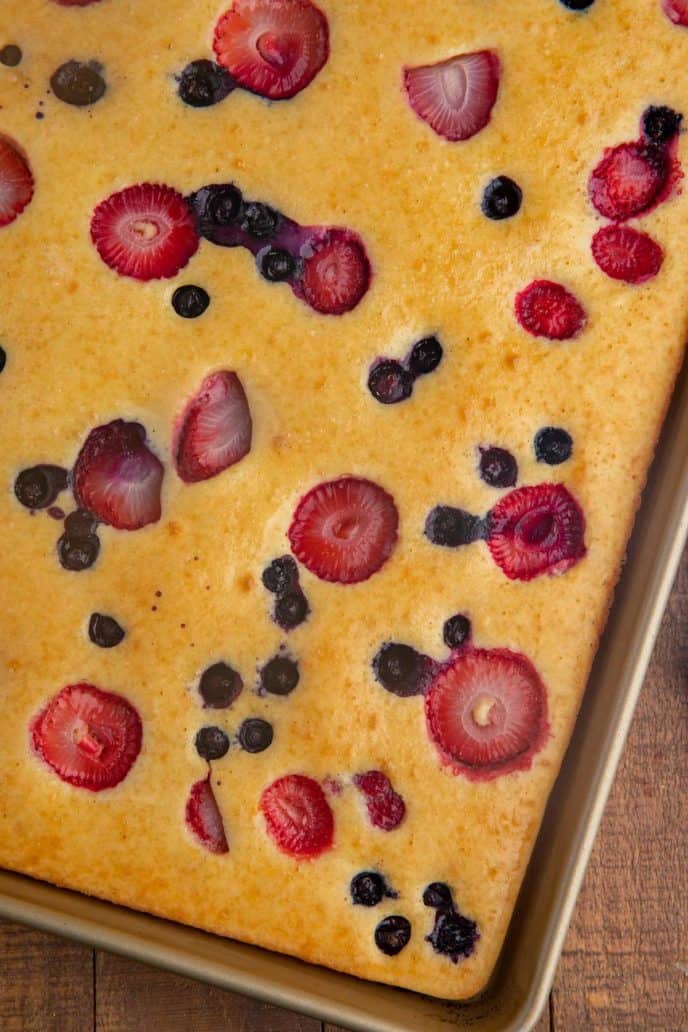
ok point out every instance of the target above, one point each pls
(518, 990)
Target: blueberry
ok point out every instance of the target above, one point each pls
(291, 609)
(577, 5)
(456, 631)
(400, 669)
(276, 265)
(211, 743)
(553, 445)
(255, 735)
(425, 356)
(497, 467)
(660, 124)
(452, 527)
(501, 198)
(368, 888)
(392, 934)
(10, 55)
(279, 676)
(39, 486)
(219, 204)
(190, 301)
(389, 382)
(260, 220)
(219, 686)
(80, 523)
(104, 631)
(439, 896)
(280, 575)
(3, 359)
(78, 553)
(203, 83)
(78, 83)
(453, 935)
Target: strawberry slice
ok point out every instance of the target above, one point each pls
(676, 11)
(214, 431)
(487, 713)
(626, 254)
(455, 97)
(344, 530)
(204, 819)
(628, 180)
(16, 181)
(336, 273)
(547, 309)
(274, 48)
(536, 530)
(298, 816)
(386, 808)
(145, 231)
(117, 477)
(89, 737)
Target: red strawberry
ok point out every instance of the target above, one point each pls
(536, 530)
(16, 181)
(272, 47)
(386, 808)
(145, 231)
(455, 97)
(204, 818)
(344, 530)
(547, 309)
(89, 737)
(336, 273)
(628, 180)
(214, 431)
(117, 477)
(676, 11)
(625, 254)
(298, 816)
(487, 713)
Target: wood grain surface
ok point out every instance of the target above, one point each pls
(625, 964)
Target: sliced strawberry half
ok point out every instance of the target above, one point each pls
(547, 309)
(386, 808)
(626, 254)
(89, 737)
(676, 11)
(628, 180)
(145, 231)
(487, 713)
(536, 530)
(16, 181)
(455, 97)
(344, 530)
(336, 273)
(204, 819)
(298, 816)
(272, 47)
(214, 431)
(117, 477)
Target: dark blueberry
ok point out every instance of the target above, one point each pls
(390, 382)
(279, 676)
(452, 527)
(10, 55)
(260, 220)
(3, 359)
(203, 83)
(39, 486)
(368, 888)
(219, 686)
(552, 445)
(291, 609)
(439, 896)
(78, 83)
(104, 631)
(660, 124)
(190, 301)
(498, 467)
(80, 523)
(276, 265)
(577, 5)
(456, 631)
(255, 735)
(453, 935)
(501, 198)
(280, 575)
(400, 669)
(392, 934)
(211, 743)
(425, 356)
(78, 553)
(219, 204)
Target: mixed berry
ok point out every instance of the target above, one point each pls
(204, 819)
(215, 429)
(455, 97)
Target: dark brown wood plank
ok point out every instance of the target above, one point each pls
(46, 983)
(132, 997)
(625, 966)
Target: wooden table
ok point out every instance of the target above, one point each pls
(625, 965)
